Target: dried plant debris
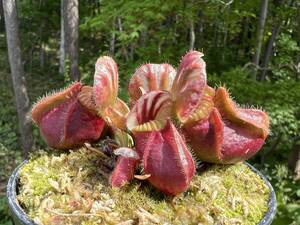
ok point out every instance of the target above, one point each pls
(73, 188)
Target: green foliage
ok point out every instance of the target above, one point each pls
(9, 160)
(9, 132)
(284, 59)
(8, 126)
(4, 213)
(287, 194)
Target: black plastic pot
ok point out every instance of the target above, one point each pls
(20, 217)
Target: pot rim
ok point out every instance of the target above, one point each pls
(15, 207)
(11, 195)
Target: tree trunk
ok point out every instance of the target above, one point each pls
(42, 55)
(72, 35)
(143, 38)
(42, 52)
(269, 51)
(124, 49)
(160, 43)
(298, 41)
(62, 40)
(260, 33)
(112, 40)
(244, 38)
(17, 74)
(1, 16)
(66, 25)
(298, 30)
(192, 35)
(132, 51)
(226, 12)
(199, 30)
(191, 25)
(294, 159)
(275, 31)
(224, 43)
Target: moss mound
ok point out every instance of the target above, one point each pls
(72, 188)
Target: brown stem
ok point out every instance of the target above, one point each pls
(260, 33)
(294, 159)
(17, 74)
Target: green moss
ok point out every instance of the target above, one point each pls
(73, 189)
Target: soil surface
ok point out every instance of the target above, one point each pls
(73, 188)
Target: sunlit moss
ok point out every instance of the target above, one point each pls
(73, 189)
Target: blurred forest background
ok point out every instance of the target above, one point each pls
(251, 46)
